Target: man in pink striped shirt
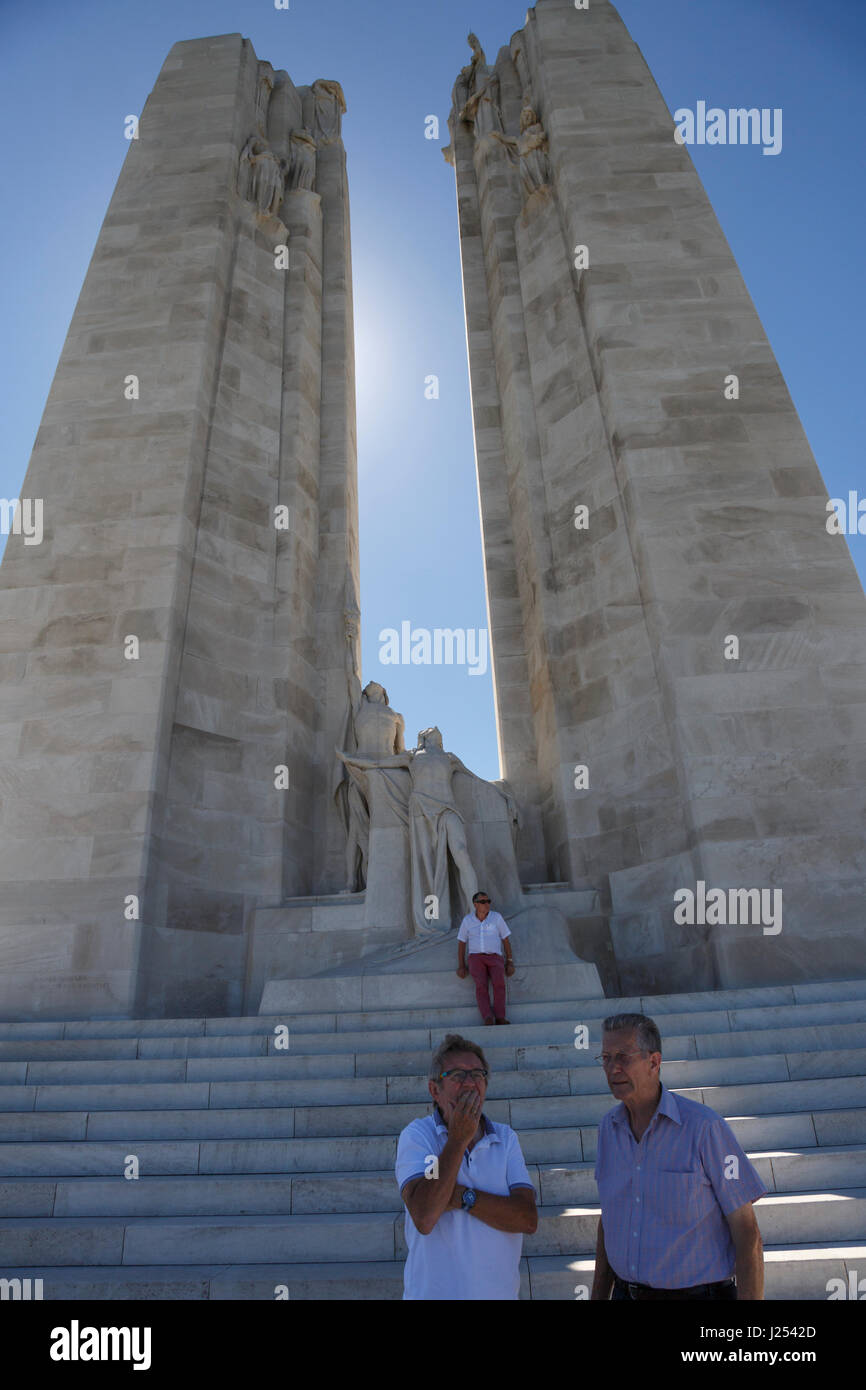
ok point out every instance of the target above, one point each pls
(676, 1188)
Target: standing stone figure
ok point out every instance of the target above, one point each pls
(376, 731)
(267, 182)
(253, 147)
(467, 78)
(302, 160)
(532, 149)
(435, 829)
(330, 104)
(482, 109)
(263, 98)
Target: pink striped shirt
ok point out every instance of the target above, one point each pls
(664, 1200)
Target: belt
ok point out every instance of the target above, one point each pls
(696, 1291)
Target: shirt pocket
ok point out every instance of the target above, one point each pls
(675, 1197)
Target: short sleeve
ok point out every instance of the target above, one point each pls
(463, 934)
(415, 1147)
(516, 1171)
(504, 929)
(599, 1147)
(734, 1180)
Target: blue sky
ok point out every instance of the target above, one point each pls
(72, 72)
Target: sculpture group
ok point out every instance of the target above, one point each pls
(388, 787)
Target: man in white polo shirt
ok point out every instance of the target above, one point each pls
(484, 933)
(469, 1198)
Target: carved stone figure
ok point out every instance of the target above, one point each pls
(436, 827)
(374, 731)
(483, 109)
(263, 97)
(532, 148)
(467, 79)
(254, 146)
(330, 105)
(268, 181)
(302, 160)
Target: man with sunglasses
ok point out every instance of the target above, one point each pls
(468, 1195)
(484, 934)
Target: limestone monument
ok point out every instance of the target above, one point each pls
(185, 613)
(678, 641)
(201, 799)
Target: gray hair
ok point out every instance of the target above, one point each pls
(644, 1028)
(454, 1043)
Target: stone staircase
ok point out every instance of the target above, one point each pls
(263, 1168)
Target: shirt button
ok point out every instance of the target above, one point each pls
(637, 1199)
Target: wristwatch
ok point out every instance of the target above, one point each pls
(467, 1201)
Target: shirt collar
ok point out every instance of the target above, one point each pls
(667, 1106)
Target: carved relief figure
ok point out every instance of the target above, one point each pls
(330, 105)
(268, 180)
(375, 732)
(532, 148)
(302, 160)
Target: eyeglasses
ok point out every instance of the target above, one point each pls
(458, 1074)
(617, 1059)
(479, 901)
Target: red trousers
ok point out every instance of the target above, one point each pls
(480, 966)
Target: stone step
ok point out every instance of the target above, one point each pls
(249, 1057)
(335, 1237)
(790, 1273)
(801, 1272)
(425, 989)
(802, 1128)
(575, 1074)
(760, 1062)
(342, 1104)
(352, 1191)
(449, 1019)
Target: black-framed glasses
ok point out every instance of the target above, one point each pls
(482, 900)
(460, 1074)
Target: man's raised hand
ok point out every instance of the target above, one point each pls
(464, 1118)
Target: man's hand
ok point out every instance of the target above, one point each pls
(464, 1119)
(462, 971)
(509, 967)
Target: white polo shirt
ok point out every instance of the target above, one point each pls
(462, 1258)
(484, 937)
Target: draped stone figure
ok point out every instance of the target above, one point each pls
(263, 96)
(483, 109)
(466, 82)
(532, 151)
(267, 183)
(329, 107)
(302, 160)
(374, 731)
(436, 827)
(254, 146)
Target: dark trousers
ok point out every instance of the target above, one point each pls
(482, 965)
(726, 1289)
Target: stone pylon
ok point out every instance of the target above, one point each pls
(177, 647)
(678, 638)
